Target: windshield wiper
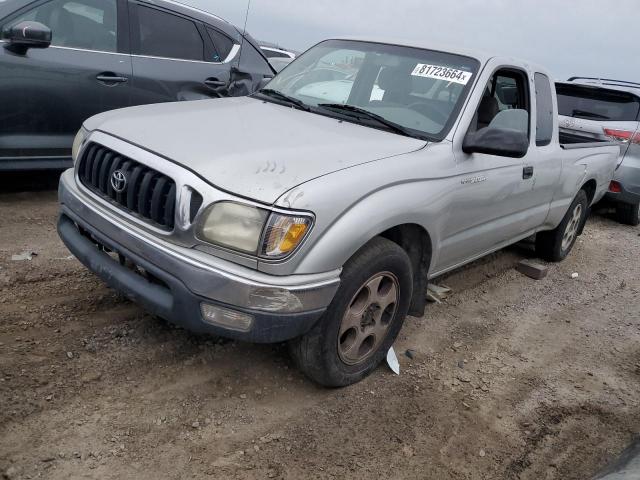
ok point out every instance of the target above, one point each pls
(584, 114)
(270, 92)
(361, 112)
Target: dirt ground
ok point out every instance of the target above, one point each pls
(510, 377)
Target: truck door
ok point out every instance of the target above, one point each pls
(543, 162)
(488, 208)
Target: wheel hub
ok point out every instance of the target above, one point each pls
(369, 316)
(571, 230)
(367, 319)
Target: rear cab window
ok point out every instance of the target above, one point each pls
(544, 110)
(594, 103)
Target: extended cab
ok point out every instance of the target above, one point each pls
(409, 164)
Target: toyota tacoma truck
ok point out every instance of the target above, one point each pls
(410, 163)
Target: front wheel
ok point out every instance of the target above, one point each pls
(556, 244)
(362, 321)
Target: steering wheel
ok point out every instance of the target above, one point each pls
(430, 111)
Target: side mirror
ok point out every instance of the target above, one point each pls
(26, 35)
(503, 142)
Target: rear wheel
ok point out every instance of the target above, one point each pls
(363, 320)
(628, 213)
(556, 244)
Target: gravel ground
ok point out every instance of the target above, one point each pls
(510, 377)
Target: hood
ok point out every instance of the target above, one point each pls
(249, 147)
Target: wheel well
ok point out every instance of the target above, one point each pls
(590, 189)
(414, 240)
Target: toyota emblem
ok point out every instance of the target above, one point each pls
(119, 181)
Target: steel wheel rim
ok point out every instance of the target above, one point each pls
(571, 231)
(368, 317)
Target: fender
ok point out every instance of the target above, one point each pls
(359, 223)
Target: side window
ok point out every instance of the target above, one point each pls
(269, 53)
(86, 24)
(252, 61)
(544, 109)
(221, 43)
(505, 103)
(169, 36)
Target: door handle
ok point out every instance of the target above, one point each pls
(214, 83)
(527, 172)
(110, 78)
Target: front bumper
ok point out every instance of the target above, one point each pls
(175, 286)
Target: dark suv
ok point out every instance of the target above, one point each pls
(62, 61)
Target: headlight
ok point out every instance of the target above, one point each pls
(234, 225)
(81, 136)
(253, 230)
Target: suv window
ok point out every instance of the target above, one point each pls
(544, 110)
(594, 103)
(86, 24)
(251, 60)
(166, 35)
(506, 91)
(221, 43)
(270, 53)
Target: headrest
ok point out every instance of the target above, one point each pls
(515, 119)
(394, 79)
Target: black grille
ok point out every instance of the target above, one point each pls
(148, 194)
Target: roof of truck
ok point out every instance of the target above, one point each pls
(480, 55)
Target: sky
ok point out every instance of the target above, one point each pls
(570, 37)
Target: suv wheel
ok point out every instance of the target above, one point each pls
(556, 244)
(362, 321)
(628, 213)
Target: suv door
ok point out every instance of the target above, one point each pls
(47, 94)
(174, 57)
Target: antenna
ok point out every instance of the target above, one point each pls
(244, 31)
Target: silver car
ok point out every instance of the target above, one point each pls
(394, 164)
(608, 109)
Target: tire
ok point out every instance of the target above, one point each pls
(628, 213)
(363, 320)
(556, 244)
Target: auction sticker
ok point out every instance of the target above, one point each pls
(442, 73)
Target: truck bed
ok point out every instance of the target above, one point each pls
(575, 140)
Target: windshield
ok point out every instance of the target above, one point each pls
(419, 90)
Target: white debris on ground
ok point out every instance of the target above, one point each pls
(392, 361)
(437, 293)
(28, 255)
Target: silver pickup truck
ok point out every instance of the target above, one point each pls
(393, 164)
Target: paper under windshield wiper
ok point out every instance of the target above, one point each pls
(270, 92)
(366, 113)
